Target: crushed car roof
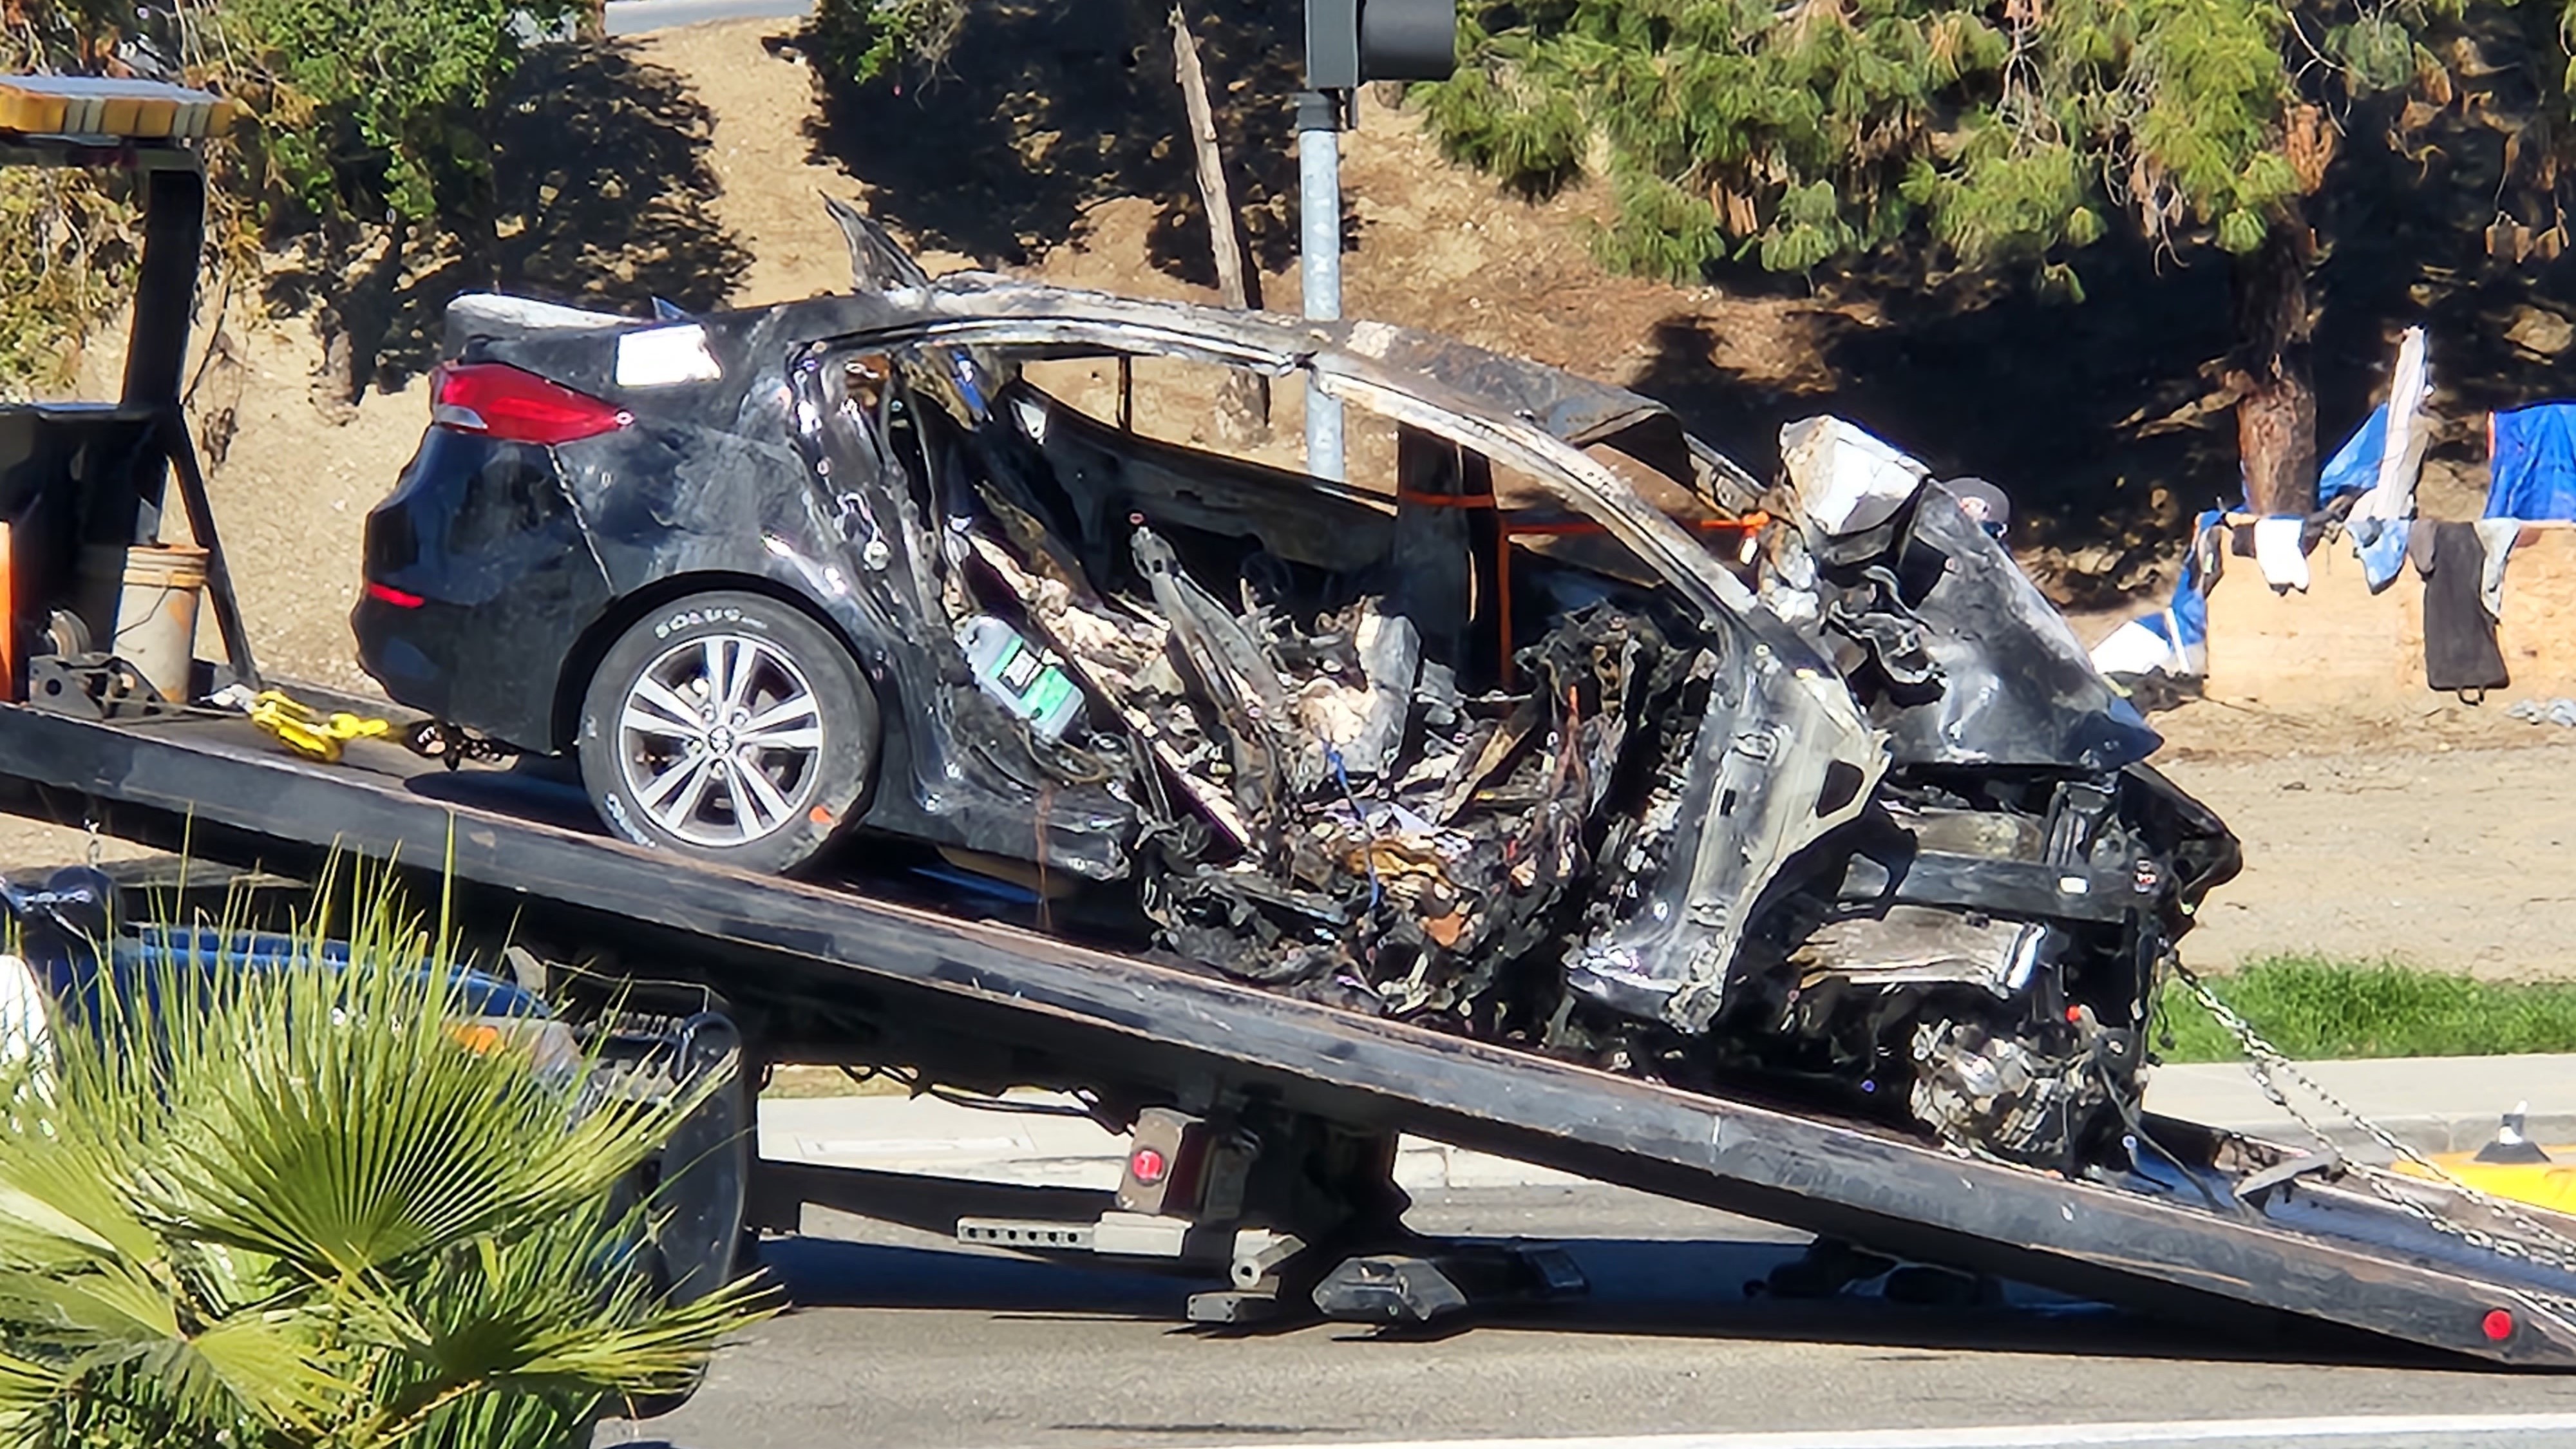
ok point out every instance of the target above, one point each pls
(1455, 374)
(1474, 380)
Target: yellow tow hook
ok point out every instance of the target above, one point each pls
(307, 731)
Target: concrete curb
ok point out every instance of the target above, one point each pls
(2429, 1105)
(941, 1139)
(2428, 1133)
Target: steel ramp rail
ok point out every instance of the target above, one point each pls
(2352, 1258)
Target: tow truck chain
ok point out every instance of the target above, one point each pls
(2262, 1059)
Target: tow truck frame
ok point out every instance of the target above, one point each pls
(1271, 1121)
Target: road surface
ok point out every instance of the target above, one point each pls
(899, 1341)
(636, 17)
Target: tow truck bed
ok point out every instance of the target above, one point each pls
(2403, 1261)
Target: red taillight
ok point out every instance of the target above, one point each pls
(1147, 1166)
(500, 401)
(388, 594)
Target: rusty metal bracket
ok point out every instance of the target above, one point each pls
(94, 686)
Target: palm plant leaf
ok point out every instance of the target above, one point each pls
(26, 1386)
(288, 1207)
(347, 1152)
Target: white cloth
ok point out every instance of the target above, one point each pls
(2496, 537)
(25, 1014)
(2401, 453)
(2277, 553)
(2146, 646)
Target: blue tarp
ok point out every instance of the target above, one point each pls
(2534, 470)
(2355, 466)
(2171, 640)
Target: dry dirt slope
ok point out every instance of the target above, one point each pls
(2406, 834)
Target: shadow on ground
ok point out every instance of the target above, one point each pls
(601, 197)
(1691, 1288)
(1046, 110)
(2058, 402)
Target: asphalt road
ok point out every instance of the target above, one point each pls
(635, 17)
(900, 1341)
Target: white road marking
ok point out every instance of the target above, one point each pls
(2443, 1428)
(818, 1148)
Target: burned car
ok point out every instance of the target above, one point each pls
(1565, 733)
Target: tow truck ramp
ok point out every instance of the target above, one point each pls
(2213, 1226)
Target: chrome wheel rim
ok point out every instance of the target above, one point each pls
(721, 740)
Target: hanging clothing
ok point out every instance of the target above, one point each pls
(2280, 552)
(2497, 536)
(2376, 469)
(2532, 468)
(2173, 640)
(2380, 544)
(2460, 650)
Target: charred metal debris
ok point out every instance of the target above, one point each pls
(1871, 828)
(1565, 734)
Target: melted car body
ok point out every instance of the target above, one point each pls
(1803, 785)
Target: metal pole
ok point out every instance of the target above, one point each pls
(1319, 246)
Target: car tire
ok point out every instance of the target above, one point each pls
(730, 727)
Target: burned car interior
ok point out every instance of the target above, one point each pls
(1553, 727)
(1413, 752)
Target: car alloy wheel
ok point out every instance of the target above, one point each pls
(732, 726)
(719, 739)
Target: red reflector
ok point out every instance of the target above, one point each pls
(387, 594)
(500, 401)
(2497, 1325)
(1147, 1166)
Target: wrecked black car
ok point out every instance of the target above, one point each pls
(1557, 729)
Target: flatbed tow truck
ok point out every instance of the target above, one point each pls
(1264, 1127)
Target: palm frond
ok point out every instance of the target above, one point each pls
(287, 1206)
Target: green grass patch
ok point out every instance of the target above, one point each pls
(2314, 1008)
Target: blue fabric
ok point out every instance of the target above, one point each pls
(2533, 474)
(2355, 466)
(2380, 544)
(2190, 606)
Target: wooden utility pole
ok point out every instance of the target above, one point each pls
(1243, 403)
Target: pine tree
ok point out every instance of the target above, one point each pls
(2002, 134)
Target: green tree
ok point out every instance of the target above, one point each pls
(373, 108)
(372, 136)
(2003, 134)
(368, 136)
(292, 1209)
(860, 40)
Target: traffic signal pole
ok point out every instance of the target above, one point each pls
(1319, 258)
(1348, 43)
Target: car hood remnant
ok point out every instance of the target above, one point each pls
(1568, 733)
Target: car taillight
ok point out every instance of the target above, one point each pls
(500, 401)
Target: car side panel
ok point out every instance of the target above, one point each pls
(688, 495)
(485, 535)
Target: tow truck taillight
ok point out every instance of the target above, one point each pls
(496, 400)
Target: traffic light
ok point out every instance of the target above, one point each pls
(1351, 41)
